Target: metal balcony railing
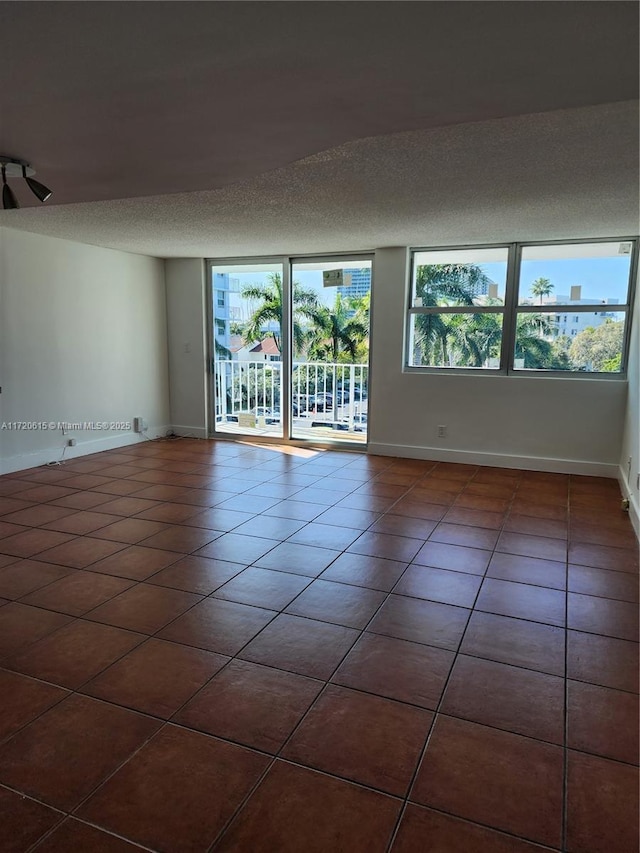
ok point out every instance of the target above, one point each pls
(322, 393)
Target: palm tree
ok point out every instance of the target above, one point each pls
(361, 312)
(533, 346)
(475, 338)
(444, 284)
(541, 287)
(305, 305)
(450, 284)
(339, 330)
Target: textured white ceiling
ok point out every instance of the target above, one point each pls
(568, 173)
(191, 128)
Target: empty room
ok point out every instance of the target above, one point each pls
(319, 427)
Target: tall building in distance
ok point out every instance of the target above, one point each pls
(483, 287)
(221, 322)
(360, 284)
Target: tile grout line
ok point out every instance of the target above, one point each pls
(278, 755)
(436, 712)
(381, 604)
(565, 750)
(68, 817)
(125, 761)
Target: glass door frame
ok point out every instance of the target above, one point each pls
(330, 258)
(212, 431)
(286, 338)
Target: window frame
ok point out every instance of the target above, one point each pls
(500, 310)
(511, 308)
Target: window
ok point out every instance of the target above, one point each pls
(501, 308)
(220, 328)
(582, 277)
(457, 308)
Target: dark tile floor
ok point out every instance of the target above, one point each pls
(217, 646)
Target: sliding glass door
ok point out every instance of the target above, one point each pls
(330, 365)
(246, 348)
(289, 342)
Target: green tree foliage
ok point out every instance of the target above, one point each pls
(541, 287)
(221, 350)
(474, 339)
(340, 331)
(255, 385)
(450, 284)
(613, 365)
(465, 339)
(269, 311)
(599, 349)
(534, 347)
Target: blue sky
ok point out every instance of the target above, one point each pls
(601, 278)
(308, 278)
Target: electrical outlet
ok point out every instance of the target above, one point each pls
(71, 442)
(442, 431)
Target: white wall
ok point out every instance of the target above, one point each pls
(559, 424)
(82, 338)
(630, 471)
(186, 318)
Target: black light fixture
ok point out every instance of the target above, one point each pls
(9, 201)
(14, 167)
(39, 190)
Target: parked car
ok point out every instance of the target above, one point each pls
(300, 403)
(321, 402)
(344, 394)
(359, 393)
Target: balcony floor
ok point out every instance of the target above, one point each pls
(302, 430)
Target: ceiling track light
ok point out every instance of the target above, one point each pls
(9, 201)
(13, 167)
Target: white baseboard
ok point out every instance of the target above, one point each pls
(496, 460)
(23, 461)
(189, 431)
(634, 509)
